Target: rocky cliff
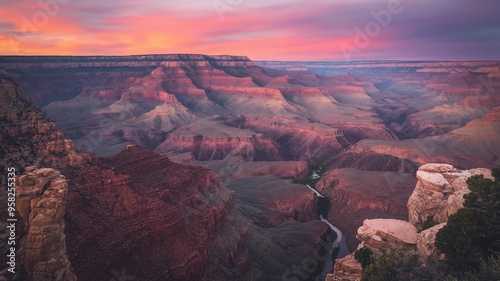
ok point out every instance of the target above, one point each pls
(27, 138)
(27, 135)
(41, 203)
(157, 219)
(439, 192)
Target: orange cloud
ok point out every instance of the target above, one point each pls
(292, 30)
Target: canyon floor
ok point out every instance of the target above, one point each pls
(193, 167)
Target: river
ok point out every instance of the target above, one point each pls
(339, 245)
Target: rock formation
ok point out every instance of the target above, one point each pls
(384, 233)
(378, 235)
(234, 113)
(41, 202)
(28, 138)
(346, 268)
(439, 192)
(426, 243)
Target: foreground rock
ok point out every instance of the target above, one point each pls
(27, 138)
(378, 235)
(426, 243)
(439, 192)
(383, 233)
(41, 203)
(347, 267)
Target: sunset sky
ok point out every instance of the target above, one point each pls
(283, 30)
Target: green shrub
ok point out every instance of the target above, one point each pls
(364, 256)
(394, 265)
(430, 222)
(489, 270)
(473, 233)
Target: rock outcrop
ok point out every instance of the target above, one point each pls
(41, 203)
(426, 243)
(28, 138)
(378, 235)
(347, 267)
(439, 192)
(383, 233)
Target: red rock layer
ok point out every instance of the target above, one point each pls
(157, 219)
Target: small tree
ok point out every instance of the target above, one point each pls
(473, 233)
(364, 256)
(430, 222)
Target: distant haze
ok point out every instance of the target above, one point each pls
(261, 30)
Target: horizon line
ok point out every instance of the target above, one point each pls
(258, 60)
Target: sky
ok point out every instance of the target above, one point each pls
(262, 30)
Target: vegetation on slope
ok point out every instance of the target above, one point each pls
(473, 233)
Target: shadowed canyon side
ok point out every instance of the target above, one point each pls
(158, 219)
(194, 167)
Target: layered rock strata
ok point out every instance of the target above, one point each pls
(41, 202)
(439, 192)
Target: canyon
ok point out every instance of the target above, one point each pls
(191, 167)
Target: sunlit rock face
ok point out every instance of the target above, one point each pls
(41, 203)
(439, 192)
(382, 233)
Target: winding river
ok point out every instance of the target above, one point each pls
(339, 245)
